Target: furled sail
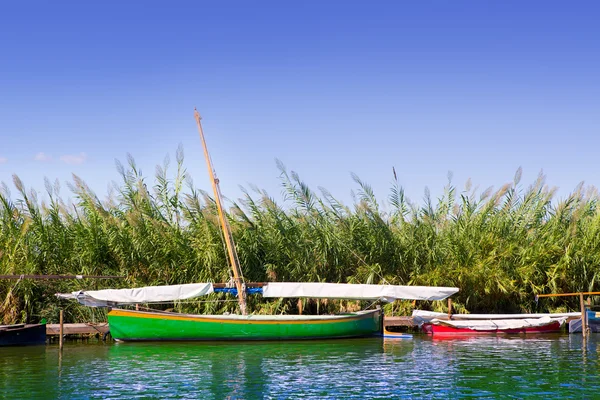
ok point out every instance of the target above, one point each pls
(150, 294)
(387, 293)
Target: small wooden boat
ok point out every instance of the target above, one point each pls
(439, 323)
(421, 317)
(129, 325)
(497, 326)
(395, 335)
(22, 334)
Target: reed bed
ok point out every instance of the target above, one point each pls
(500, 247)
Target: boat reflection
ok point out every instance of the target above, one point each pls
(248, 366)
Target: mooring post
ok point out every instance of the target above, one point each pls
(449, 308)
(60, 331)
(583, 316)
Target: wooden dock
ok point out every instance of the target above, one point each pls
(398, 321)
(102, 328)
(77, 329)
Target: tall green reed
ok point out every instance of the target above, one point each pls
(500, 247)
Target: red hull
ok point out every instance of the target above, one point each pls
(448, 330)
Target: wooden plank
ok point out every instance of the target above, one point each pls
(566, 294)
(398, 321)
(76, 329)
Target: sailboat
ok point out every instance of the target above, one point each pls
(136, 325)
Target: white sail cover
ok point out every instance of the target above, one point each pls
(387, 293)
(421, 316)
(149, 294)
(500, 324)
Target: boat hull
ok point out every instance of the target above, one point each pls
(449, 330)
(126, 325)
(22, 335)
(593, 323)
(395, 335)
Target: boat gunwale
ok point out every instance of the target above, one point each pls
(18, 327)
(244, 319)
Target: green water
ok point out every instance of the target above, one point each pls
(493, 367)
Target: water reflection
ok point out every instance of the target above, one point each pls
(481, 367)
(240, 370)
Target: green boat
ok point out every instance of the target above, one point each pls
(135, 325)
(141, 325)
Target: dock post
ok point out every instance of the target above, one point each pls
(60, 336)
(449, 308)
(583, 316)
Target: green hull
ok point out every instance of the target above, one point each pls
(140, 325)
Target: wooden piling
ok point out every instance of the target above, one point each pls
(583, 316)
(60, 339)
(449, 308)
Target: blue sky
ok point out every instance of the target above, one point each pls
(476, 88)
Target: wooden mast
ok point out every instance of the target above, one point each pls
(233, 257)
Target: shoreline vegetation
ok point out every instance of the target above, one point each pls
(500, 247)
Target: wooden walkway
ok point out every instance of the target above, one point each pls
(102, 328)
(398, 321)
(77, 329)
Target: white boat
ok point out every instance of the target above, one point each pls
(440, 324)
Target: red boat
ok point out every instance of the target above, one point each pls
(498, 326)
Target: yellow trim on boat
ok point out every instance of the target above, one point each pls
(242, 320)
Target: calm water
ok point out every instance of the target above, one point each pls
(494, 367)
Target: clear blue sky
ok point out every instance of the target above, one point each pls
(329, 88)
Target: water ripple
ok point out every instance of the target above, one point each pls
(421, 368)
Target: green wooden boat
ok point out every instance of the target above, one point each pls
(134, 325)
(129, 325)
